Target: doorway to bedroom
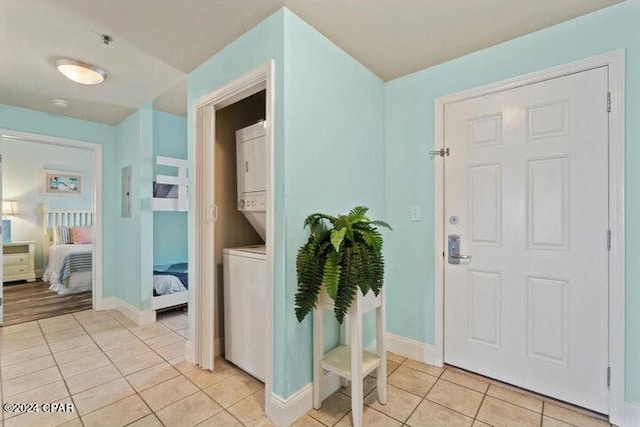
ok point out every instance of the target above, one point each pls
(49, 190)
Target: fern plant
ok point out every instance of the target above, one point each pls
(343, 253)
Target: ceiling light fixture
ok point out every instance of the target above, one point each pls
(81, 72)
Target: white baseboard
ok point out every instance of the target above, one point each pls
(107, 303)
(189, 353)
(631, 414)
(285, 412)
(138, 317)
(412, 349)
(146, 317)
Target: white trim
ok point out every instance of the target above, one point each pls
(631, 415)
(189, 353)
(617, 295)
(169, 300)
(202, 231)
(130, 312)
(97, 268)
(285, 412)
(109, 303)
(412, 349)
(615, 61)
(146, 317)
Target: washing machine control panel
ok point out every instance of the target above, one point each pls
(252, 202)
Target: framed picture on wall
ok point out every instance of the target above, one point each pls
(61, 183)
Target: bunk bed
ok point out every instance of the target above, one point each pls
(170, 282)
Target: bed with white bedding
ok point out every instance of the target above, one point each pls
(69, 268)
(68, 249)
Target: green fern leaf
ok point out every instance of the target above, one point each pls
(358, 214)
(331, 274)
(381, 224)
(337, 236)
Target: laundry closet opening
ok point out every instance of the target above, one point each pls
(240, 164)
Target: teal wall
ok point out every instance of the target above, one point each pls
(333, 136)
(145, 157)
(31, 121)
(254, 48)
(170, 238)
(334, 157)
(134, 250)
(128, 250)
(409, 112)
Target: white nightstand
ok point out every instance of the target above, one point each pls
(18, 261)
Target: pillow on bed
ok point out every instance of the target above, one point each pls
(62, 235)
(81, 235)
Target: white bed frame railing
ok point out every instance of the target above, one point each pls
(54, 217)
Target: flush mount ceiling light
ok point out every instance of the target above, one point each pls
(81, 72)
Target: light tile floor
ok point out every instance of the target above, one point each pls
(116, 373)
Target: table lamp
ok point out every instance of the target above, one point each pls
(9, 207)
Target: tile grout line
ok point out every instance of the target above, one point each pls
(135, 391)
(518, 405)
(180, 374)
(527, 393)
(64, 381)
(34, 372)
(120, 372)
(111, 362)
(475, 417)
(446, 407)
(423, 398)
(87, 333)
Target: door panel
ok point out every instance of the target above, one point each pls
(527, 178)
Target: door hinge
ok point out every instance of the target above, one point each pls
(608, 240)
(441, 153)
(608, 377)
(608, 102)
(0, 300)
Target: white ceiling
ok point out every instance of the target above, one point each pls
(157, 42)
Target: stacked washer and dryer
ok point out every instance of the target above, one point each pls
(245, 276)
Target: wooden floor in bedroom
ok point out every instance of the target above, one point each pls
(24, 302)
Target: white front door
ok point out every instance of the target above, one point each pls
(526, 196)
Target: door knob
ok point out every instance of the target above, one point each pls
(454, 249)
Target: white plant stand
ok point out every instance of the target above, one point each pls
(349, 360)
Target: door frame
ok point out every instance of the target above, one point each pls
(202, 217)
(96, 205)
(615, 61)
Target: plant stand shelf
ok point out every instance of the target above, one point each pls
(338, 361)
(349, 360)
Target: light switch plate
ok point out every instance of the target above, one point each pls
(416, 213)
